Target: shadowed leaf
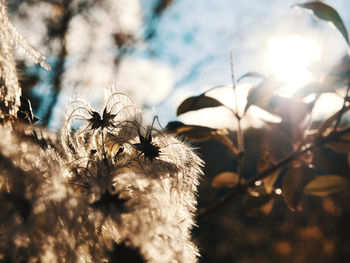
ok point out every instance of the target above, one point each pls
(293, 185)
(327, 13)
(195, 132)
(201, 133)
(196, 103)
(225, 179)
(225, 140)
(326, 185)
(257, 206)
(341, 145)
(265, 163)
(257, 190)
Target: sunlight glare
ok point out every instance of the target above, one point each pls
(292, 58)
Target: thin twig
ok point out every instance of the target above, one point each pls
(240, 140)
(240, 137)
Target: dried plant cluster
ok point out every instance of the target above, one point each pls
(105, 189)
(99, 190)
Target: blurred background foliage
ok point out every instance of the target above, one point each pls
(292, 104)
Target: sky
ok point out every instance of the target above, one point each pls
(195, 39)
(191, 53)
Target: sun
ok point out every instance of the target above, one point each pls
(291, 59)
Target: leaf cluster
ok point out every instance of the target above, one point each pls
(286, 163)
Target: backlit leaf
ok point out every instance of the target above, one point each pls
(251, 75)
(328, 123)
(225, 179)
(290, 109)
(293, 185)
(327, 13)
(261, 94)
(339, 75)
(196, 103)
(326, 185)
(312, 88)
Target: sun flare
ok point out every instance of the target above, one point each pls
(292, 59)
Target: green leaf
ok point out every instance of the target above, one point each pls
(196, 103)
(327, 13)
(201, 133)
(326, 185)
(225, 179)
(264, 163)
(261, 94)
(293, 185)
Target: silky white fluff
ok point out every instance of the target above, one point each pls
(160, 193)
(83, 197)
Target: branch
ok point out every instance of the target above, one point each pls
(242, 189)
